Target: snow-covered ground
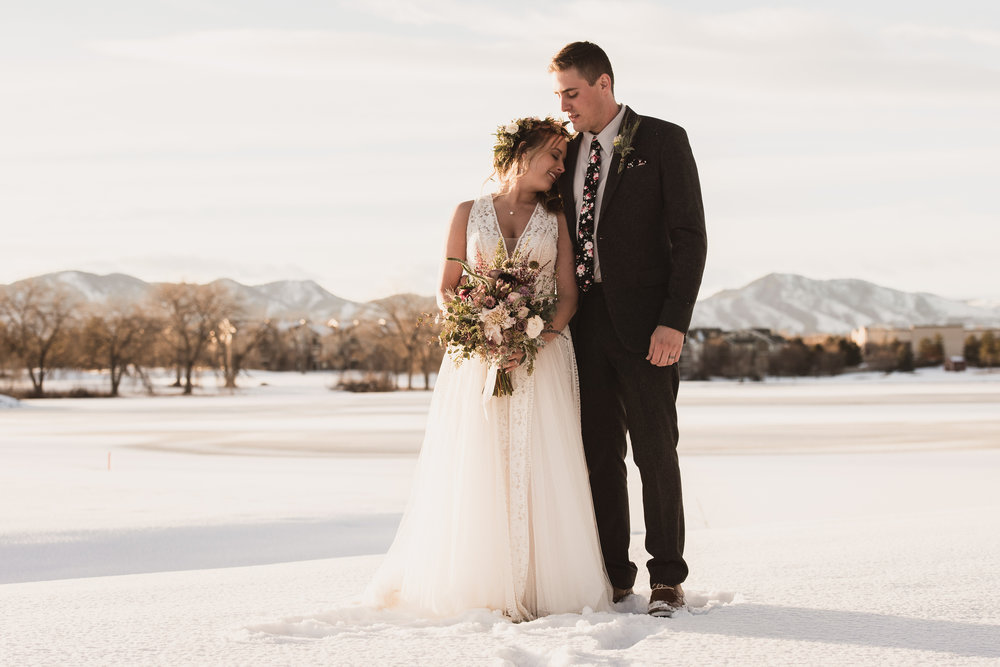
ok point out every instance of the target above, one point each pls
(850, 520)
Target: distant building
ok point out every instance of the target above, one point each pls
(866, 337)
(954, 364)
(751, 351)
(953, 337)
(693, 351)
(747, 353)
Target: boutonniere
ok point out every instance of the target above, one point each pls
(623, 142)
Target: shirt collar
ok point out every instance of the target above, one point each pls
(606, 137)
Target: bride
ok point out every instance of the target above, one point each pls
(500, 514)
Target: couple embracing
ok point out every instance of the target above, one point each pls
(520, 503)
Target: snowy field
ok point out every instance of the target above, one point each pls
(851, 520)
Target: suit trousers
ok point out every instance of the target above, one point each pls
(620, 391)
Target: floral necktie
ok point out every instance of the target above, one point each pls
(585, 229)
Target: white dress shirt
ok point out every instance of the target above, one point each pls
(606, 138)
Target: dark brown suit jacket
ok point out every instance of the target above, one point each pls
(651, 237)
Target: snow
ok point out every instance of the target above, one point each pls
(9, 402)
(847, 520)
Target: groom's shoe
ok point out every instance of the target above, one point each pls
(620, 594)
(665, 600)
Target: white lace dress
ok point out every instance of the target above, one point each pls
(500, 514)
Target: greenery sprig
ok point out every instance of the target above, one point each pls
(623, 142)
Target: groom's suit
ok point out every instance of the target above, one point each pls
(651, 245)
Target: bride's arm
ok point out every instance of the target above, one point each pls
(451, 272)
(565, 282)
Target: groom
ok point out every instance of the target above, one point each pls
(633, 205)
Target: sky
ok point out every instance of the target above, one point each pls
(261, 140)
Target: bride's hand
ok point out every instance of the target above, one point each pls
(514, 361)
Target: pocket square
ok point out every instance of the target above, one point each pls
(635, 162)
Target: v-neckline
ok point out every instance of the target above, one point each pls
(496, 219)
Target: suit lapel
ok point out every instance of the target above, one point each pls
(614, 175)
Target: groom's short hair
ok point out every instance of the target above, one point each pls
(588, 58)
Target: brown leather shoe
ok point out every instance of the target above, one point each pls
(665, 600)
(620, 594)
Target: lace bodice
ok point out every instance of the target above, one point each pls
(539, 241)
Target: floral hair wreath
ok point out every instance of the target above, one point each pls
(510, 135)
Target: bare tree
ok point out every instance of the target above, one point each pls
(119, 335)
(930, 352)
(989, 350)
(431, 353)
(716, 357)
(5, 353)
(270, 352)
(235, 340)
(35, 317)
(304, 342)
(340, 350)
(403, 315)
(377, 354)
(191, 312)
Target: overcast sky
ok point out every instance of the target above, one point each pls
(262, 140)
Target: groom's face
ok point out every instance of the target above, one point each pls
(582, 101)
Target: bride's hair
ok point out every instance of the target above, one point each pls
(517, 142)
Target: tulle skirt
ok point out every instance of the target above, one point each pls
(500, 514)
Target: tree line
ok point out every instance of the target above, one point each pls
(983, 351)
(754, 354)
(188, 327)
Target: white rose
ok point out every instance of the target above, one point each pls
(493, 333)
(511, 128)
(535, 326)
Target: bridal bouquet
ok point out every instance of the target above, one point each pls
(497, 313)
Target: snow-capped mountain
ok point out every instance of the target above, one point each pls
(795, 304)
(286, 299)
(92, 288)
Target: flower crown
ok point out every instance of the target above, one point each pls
(510, 135)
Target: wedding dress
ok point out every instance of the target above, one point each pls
(500, 515)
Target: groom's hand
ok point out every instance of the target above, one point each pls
(665, 346)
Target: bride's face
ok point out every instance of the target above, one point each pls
(545, 165)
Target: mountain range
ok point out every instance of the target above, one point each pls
(785, 303)
(281, 300)
(794, 304)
